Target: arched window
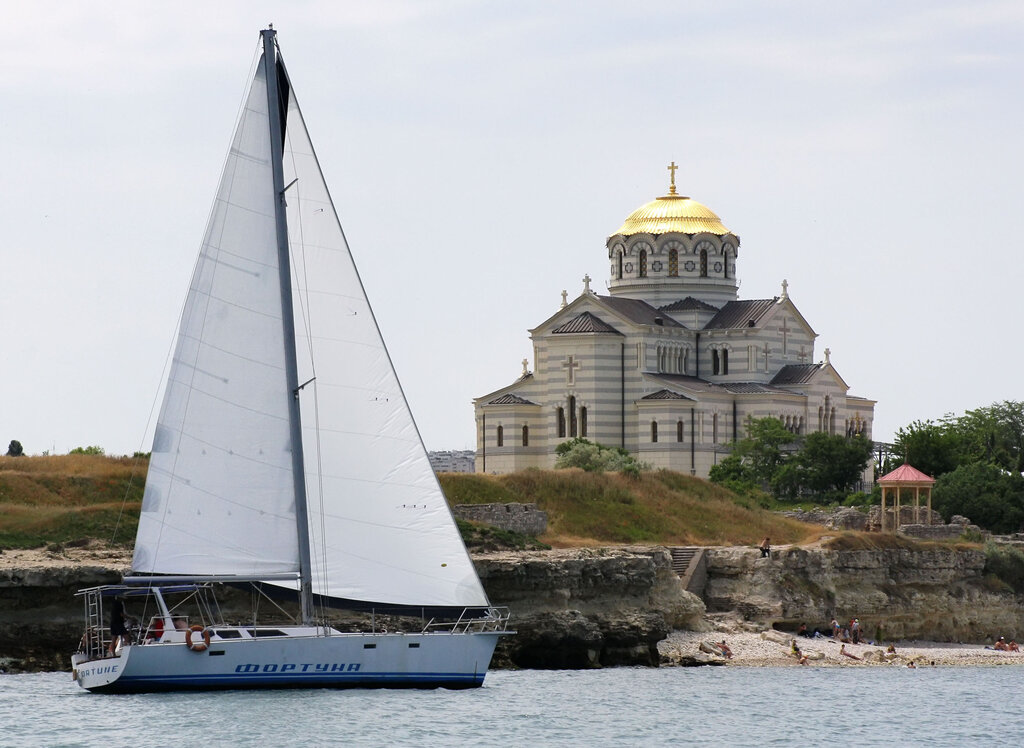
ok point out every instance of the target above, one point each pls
(572, 416)
(715, 364)
(618, 273)
(679, 431)
(725, 360)
(583, 422)
(725, 263)
(501, 436)
(703, 263)
(643, 263)
(714, 428)
(561, 423)
(526, 436)
(654, 431)
(673, 263)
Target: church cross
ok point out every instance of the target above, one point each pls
(565, 297)
(828, 354)
(525, 364)
(785, 330)
(570, 365)
(586, 283)
(672, 170)
(785, 288)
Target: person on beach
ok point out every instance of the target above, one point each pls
(725, 649)
(1013, 646)
(835, 628)
(891, 649)
(766, 547)
(844, 653)
(794, 650)
(855, 630)
(1001, 645)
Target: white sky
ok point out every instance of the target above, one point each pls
(480, 154)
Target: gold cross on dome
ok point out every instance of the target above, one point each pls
(672, 185)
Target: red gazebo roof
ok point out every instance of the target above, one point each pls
(906, 474)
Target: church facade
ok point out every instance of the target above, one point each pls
(671, 363)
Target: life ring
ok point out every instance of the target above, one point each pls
(197, 646)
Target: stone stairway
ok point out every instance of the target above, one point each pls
(692, 568)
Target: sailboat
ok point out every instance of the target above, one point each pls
(286, 461)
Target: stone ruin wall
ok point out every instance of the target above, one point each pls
(525, 519)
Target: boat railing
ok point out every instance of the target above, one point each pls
(495, 619)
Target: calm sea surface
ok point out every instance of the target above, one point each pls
(617, 707)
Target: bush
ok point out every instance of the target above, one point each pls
(593, 457)
(1006, 563)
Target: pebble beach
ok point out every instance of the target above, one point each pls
(772, 649)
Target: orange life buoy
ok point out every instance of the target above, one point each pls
(197, 646)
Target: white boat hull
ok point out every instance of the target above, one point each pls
(335, 660)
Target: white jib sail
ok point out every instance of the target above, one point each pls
(219, 496)
(381, 530)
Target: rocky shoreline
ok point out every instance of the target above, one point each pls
(601, 607)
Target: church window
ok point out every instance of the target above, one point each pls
(725, 360)
(501, 436)
(725, 263)
(679, 431)
(714, 428)
(673, 263)
(618, 273)
(583, 422)
(572, 416)
(751, 358)
(715, 366)
(526, 436)
(654, 431)
(561, 423)
(703, 263)
(643, 263)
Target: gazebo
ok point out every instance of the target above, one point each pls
(906, 477)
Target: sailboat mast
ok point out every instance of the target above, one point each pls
(276, 108)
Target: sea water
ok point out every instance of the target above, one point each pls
(615, 707)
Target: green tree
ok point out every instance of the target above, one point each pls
(15, 449)
(994, 435)
(594, 457)
(756, 459)
(933, 448)
(831, 463)
(87, 451)
(986, 494)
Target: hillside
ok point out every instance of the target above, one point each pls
(63, 499)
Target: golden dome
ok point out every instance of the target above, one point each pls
(673, 213)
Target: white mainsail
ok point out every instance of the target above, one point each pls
(219, 497)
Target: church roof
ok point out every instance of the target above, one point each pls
(796, 373)
(639, 311)
(696, 384)
(665, 395)
(673, 213)
(689, 304)
(511, 399)
(740, 314)
(752, 388)
(585, 322)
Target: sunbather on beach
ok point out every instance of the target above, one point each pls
(844, 653)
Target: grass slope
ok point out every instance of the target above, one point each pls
(62, 498)
(601, 508)
(65, 498)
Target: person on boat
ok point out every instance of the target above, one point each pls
(118, 627)
(766, 547)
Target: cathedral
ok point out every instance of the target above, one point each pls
(670, 364)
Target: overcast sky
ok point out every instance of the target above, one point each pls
(481, 153)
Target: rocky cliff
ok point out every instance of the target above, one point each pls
(930, 593)
(572, 609)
